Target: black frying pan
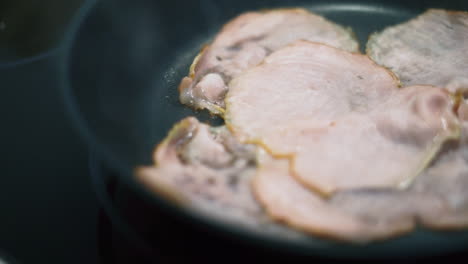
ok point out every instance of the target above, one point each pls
(123, 65)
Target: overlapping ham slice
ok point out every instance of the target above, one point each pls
(429, 49)
(195, 164)
(289, 202)
(437, 199)
(462, 113)
(304, 81)
(340, 118)
(206, 169)
(387, 147)
(433, 49)
(447, 180)
(244, 42)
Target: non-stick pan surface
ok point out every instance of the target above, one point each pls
(120, 75)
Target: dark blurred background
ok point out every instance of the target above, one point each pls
(47, 209)
(31, 27)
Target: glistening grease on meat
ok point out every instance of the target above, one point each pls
(244, 42)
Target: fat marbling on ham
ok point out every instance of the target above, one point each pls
(244, 42)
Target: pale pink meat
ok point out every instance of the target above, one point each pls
(429, 49)
(290, 202)
(319, 138)
(387, 147)
(447, 179)
(362, 215)
(340, 117)
(244, 42)
(304, 81)
(205, 169)
(199, 166)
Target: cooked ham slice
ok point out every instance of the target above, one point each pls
(437, 200)
(304, 81)
(390, 208)
(244, 42)
(339, 117)
(462, 113)
(194, 165)
(204, 168)
(290, 202)
(447, 179)
(387, 147)
(429, 49)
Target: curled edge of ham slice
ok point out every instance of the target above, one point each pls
(204, 170)
(389, 83)
(166, 153)
(207, 82)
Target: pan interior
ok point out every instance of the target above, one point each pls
(128, 57)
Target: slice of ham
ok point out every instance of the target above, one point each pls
(304, 81)
(432, 49)
(194, 165)
(205, 169)
(288, 201)
(462, 112)
(429, 49)
(386, 147)
(447, 179)
(244, 42)
(437, 200)
(339, 117)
